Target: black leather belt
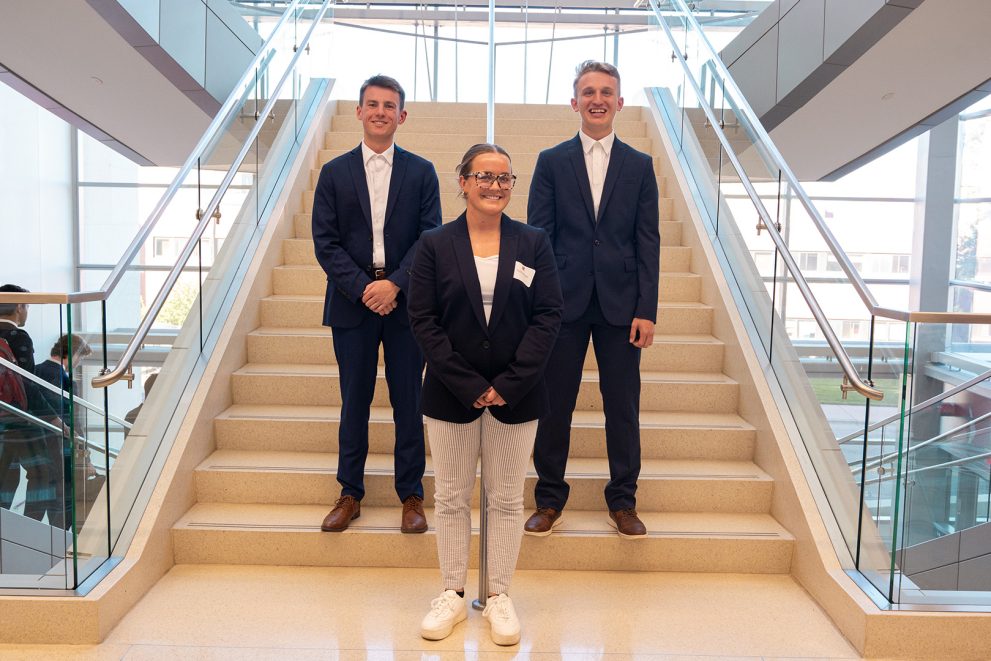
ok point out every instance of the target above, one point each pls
(376, 273)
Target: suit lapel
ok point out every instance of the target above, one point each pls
(508, 243)
(466, 265)
(581, 174)
(357, 164)
(399, 160)
(616, 159)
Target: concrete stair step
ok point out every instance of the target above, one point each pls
(307, 311)
(669, 353)
(670, 230)
(308, 478)
(446, 159)
(459, 143)
(317, 385)
(311, 280)
(449, 180)
(299, 252)
(504, 126)
(225, 533)
(460, 110)
(294, 428)
(452, 205)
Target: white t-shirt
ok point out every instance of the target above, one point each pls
(487, 268)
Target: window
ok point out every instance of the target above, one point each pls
(809, 261)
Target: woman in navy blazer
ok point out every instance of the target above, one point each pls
(485, 307)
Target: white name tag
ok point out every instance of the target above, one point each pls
(523, 273)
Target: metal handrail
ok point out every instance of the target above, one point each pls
(37, 380)
(924, 469)
(842, 357)
(110, 377)
(208, 136)
(874, 463)
(764, 140)
(54, 429)
(918, 407)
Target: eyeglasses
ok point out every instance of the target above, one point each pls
(487, 179)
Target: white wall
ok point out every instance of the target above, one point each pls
(35, 208)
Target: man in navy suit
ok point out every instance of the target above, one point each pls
(597, 199)
(370, 207)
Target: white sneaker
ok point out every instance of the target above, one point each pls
(445, 611)
(505, 626)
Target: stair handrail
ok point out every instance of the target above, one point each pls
(110, 376)
(842, 357)
(765, 142)
(44, 424)
(37, 380)
(874, 463)
(960, 387)
(211, 132)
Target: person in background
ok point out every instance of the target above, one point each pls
(26, 444)
(55, 370)
(485, 307)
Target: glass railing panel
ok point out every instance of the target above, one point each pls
(94, 433)
(52, 458)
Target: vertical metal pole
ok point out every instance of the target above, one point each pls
(526, 40)
(490, 107)
(436, 59)
(455, 52)
(483, 546)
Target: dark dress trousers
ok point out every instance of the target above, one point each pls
(342, 238)
(609, 268)
(465, 355)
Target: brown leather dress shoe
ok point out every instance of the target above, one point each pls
(542, 522)
(346, 509)
(413, 518)
(628, 524)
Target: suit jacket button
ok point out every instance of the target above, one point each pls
(485, 344)
(595, 243)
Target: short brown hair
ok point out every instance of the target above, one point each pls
(475, 150)
(80, 347)
(588, 66)
(7, 309)
(385, 82)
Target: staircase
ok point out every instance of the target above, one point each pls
(262, 494)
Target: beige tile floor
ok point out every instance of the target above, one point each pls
(214, 612)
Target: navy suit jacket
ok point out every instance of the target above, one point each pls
(464, 354)
(617, 253)
(342, 229)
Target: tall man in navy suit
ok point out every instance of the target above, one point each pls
(597, 199)
(370, 207)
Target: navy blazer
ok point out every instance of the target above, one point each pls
(464, 354)
(342, 229)
(617, 253)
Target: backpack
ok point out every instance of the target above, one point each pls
(11, 385)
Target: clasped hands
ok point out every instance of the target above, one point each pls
(380, 296)
(489, 398)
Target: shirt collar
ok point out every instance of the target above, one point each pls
(9, 322)
(367, 153)
(606, 142)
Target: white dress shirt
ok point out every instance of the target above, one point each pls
(597, 163)
(487, 268)
(378, 175)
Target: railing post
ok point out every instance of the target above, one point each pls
(483, 546)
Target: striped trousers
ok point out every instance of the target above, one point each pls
(505, 452)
